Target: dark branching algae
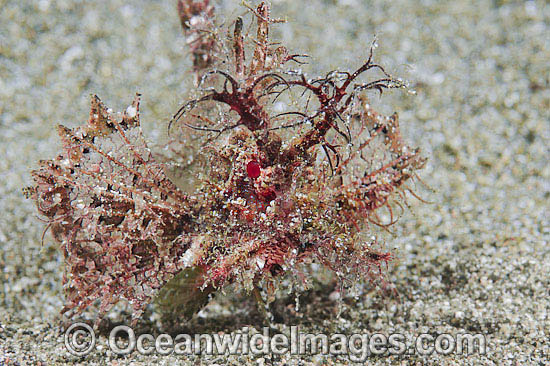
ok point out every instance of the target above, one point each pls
(281, 171)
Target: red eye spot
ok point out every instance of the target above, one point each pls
(253, 169)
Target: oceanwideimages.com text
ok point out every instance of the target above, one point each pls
(80, 340)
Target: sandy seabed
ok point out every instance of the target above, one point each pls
(476, 260)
